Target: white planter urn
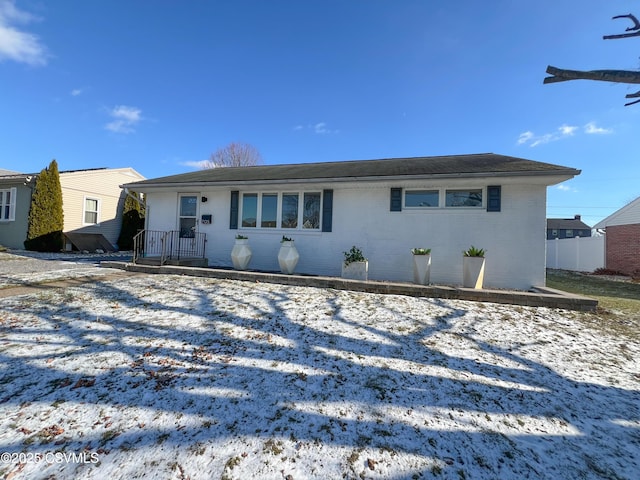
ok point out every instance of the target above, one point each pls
(288, 257)
(356, 271)
(241, 254)
(473, 272)
(421, 269)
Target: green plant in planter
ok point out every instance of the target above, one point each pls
(286, 239)
(353, 255)
(474, 252)
(421, 251)
(241, 237)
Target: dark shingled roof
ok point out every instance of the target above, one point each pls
(485, 164)
(566, 224)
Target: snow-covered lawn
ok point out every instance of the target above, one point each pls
(178, 377)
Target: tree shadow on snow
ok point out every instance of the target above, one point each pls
(309, 366)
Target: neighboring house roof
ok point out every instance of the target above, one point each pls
(10, 176)
(629, 214)
(566, 224)
(477, 165)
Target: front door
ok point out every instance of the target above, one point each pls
(187, 216)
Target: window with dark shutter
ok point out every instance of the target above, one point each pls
(396, 200)
(327, 210)
(493, 198)
(233, 214)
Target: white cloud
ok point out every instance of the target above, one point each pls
(15, 44)
(125, 119)
(591, 128)
(75, 92)
(564, 188)
(199, 164)
(567, 130)
(563, 131)
(525, 137)
(319, 128)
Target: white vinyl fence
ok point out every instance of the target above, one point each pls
(579, 254)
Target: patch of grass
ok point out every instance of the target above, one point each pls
(618, 302)
(273, 446)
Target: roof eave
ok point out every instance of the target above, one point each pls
(561, 176)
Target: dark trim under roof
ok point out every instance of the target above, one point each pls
(485, 165)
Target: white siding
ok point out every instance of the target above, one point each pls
(627, 215)
(100, 184)
(514, 238)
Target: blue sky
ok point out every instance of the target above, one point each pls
(159, 85)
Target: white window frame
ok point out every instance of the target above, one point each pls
(11, 204)
(278, 228)
(85, 211)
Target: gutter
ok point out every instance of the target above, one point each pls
(571, 172)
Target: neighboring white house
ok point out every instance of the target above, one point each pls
(385, 207)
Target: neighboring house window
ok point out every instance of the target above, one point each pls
(188, 210)
(270, 210)
(8, 204)
(554, 232)
(568, 233)
(464, 198)
(91, 208)
(421, 198)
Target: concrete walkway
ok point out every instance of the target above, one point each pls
(538, 297)
(42, 286)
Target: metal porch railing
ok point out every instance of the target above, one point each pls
(169, 245)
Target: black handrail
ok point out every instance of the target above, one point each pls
(169, 245)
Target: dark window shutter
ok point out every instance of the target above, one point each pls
(327, 210)
(233, 217)
(493, 198)
(396, 200)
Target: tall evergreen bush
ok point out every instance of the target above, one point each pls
(46, 220)
(132, 221)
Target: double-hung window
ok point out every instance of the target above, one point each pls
(287, 210)
(91, 210)
(7, 204)
(269, 214)
(249, 209)
(311, 210)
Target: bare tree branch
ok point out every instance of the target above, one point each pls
(234, 155)
(618, 76)
(636, 26)
(632, 95)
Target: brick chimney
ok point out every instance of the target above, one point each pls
(577, 217)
